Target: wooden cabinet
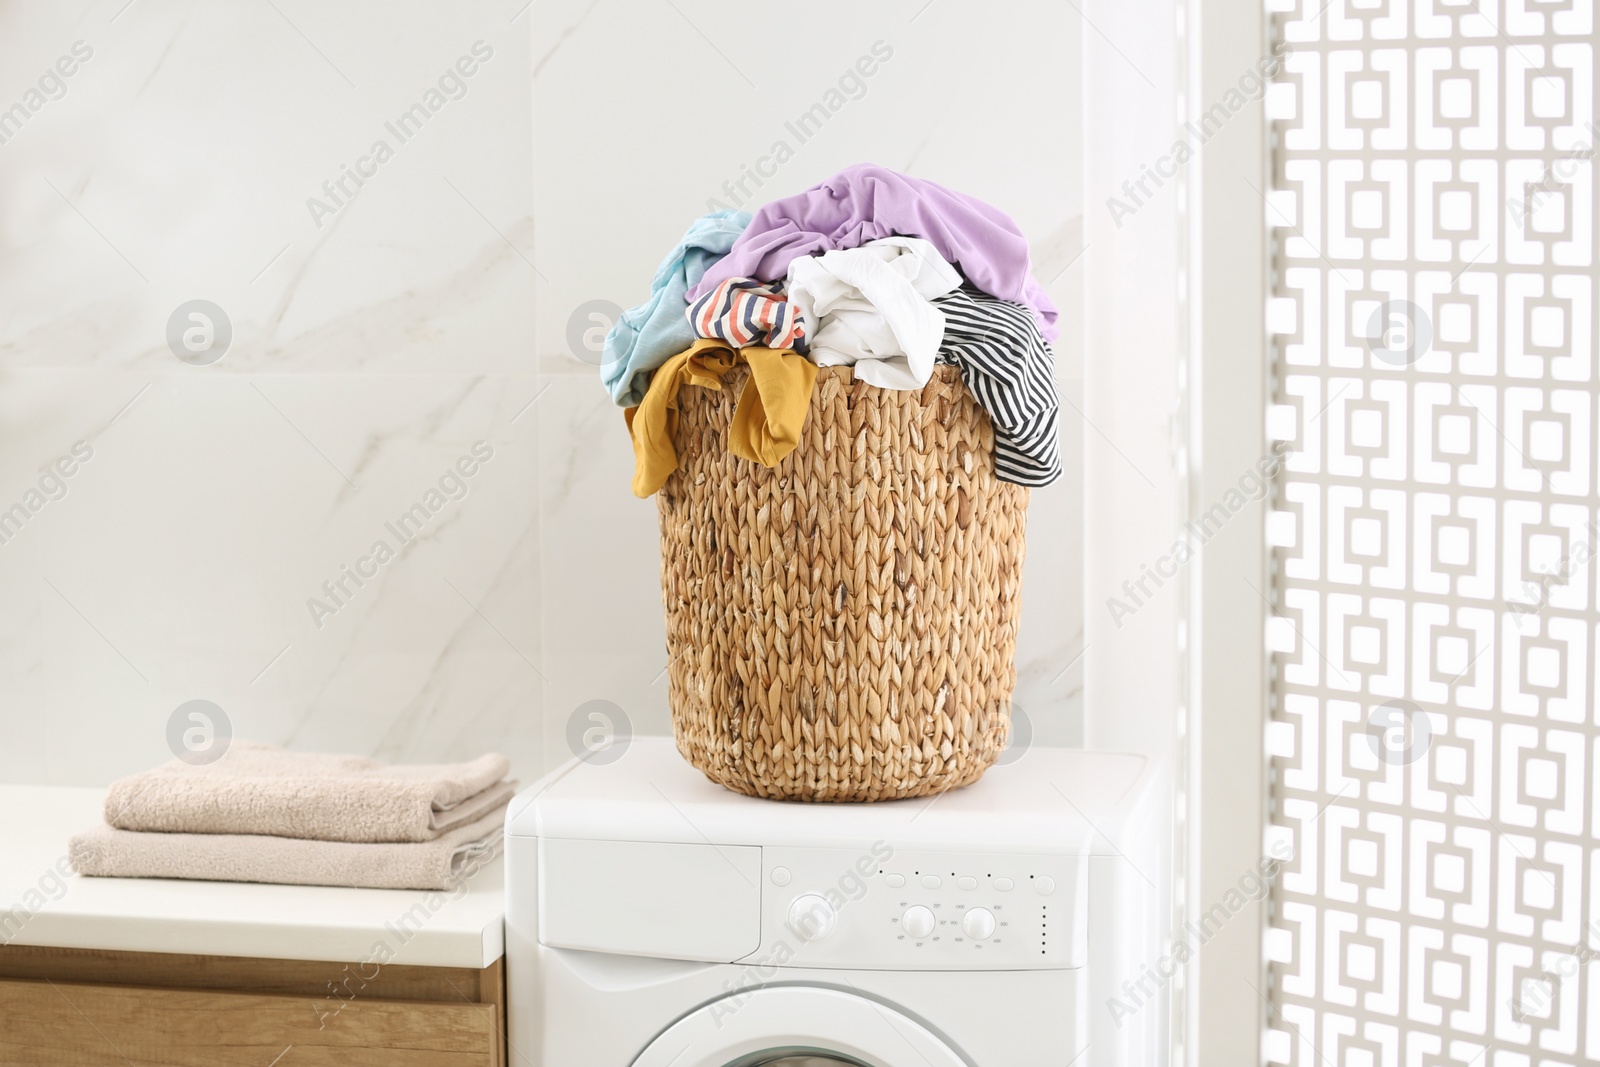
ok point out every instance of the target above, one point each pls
(80, 1007)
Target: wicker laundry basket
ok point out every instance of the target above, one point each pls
(843, 627)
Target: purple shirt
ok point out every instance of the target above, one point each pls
(865, 202)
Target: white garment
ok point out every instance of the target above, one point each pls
(871, 306)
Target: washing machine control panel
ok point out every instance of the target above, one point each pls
(881, 908)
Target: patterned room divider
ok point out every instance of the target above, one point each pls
(1433, 724)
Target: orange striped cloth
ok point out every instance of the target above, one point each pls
(744, 312)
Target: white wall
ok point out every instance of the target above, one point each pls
(1131, 384)
(372, 351)
(1131, 390)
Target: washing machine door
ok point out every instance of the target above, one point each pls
(798, 1026)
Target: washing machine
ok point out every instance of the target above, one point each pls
(655, 919)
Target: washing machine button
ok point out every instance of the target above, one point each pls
(894, 881)
(930, 881)
(1003, 885)
(978, 924)
(1044, 886)
(780, 876)
(966, 881)
(917, 921)
(811, 917)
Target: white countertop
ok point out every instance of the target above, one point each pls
(37, 907)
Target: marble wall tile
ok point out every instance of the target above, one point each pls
(429, 312)
(205, 551)
(181, 161)
(368, 355)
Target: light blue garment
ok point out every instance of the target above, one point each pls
(647, 336)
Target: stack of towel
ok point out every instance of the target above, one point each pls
(880, 271)
(265, 814)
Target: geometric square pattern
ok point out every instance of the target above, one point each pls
(1434, 534)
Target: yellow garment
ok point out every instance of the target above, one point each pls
(766, 424)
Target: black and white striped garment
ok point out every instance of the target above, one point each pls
(1010, 369)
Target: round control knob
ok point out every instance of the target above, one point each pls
(811, 917)
(978, 924)
(917, 921)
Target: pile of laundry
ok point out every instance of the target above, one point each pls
(886, 273)
(265, 814)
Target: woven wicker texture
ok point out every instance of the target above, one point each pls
(843, 627)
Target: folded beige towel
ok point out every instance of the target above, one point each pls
(260, 789)
(438, 864)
